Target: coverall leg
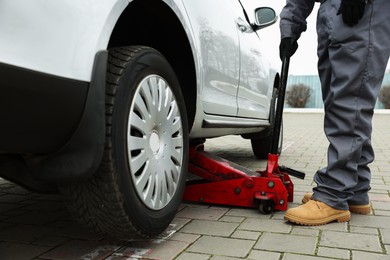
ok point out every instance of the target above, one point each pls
(351, 66)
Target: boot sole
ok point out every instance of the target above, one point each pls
(342, 217)
(357, 209)
(360, 209)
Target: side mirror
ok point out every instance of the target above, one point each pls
(264, 17)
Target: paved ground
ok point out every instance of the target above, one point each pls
(34, 226)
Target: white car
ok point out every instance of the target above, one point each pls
(102, 99)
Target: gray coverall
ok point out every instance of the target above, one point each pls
(351, 66)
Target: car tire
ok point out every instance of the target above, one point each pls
(261, 145)
(140, 182)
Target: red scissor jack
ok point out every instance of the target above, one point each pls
(227, 183)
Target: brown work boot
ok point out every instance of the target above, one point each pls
(357, 209)
(315, 213)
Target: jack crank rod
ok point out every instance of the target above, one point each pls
(280, 105)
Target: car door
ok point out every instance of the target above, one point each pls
(213, 23)
(256, 79)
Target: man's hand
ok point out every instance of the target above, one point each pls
(352, 11)
(287, 47)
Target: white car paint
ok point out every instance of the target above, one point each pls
(61, 38)
(56, 37)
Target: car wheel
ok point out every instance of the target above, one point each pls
(261, 145)
(139, 185)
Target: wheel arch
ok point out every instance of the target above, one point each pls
(159, 24)
(121, 24)
(266, 131)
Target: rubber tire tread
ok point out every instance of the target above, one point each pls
(98, 203)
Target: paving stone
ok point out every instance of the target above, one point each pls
(289, 256)
(50, 240)
(257, 254)
(16, 251)
(192, 256)
(218, 257)
(179, 223)
(222, 246)
(246, 234)
(278, 215)
(202, 213)
(247, 213)
(370, 221)
(379, 205)
(382, 213)
(351, 241)
(37, 218)
(379, 187)
(363, 230)
(78, 232)
(232, 219)
(305, 150)
(266, 225)
(77, 249)
(189, 238)
(334, 253)
(381, 192)
(205, 227)
(334, 226)
(385, 233)
(304, 231)
(157, 249)
(359, 255)
(168, 232)
(387, 248)
(287, 243)
(25, 233)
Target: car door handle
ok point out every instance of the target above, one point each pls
(242, 25)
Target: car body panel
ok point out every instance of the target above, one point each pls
(56, 37)
(61, 39)
(254, 92)
(216, 37)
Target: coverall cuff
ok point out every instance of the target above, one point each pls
(287, 30)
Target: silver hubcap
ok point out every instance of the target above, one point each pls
(155, 142)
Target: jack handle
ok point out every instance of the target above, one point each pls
(280, 105)
(292, 172)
